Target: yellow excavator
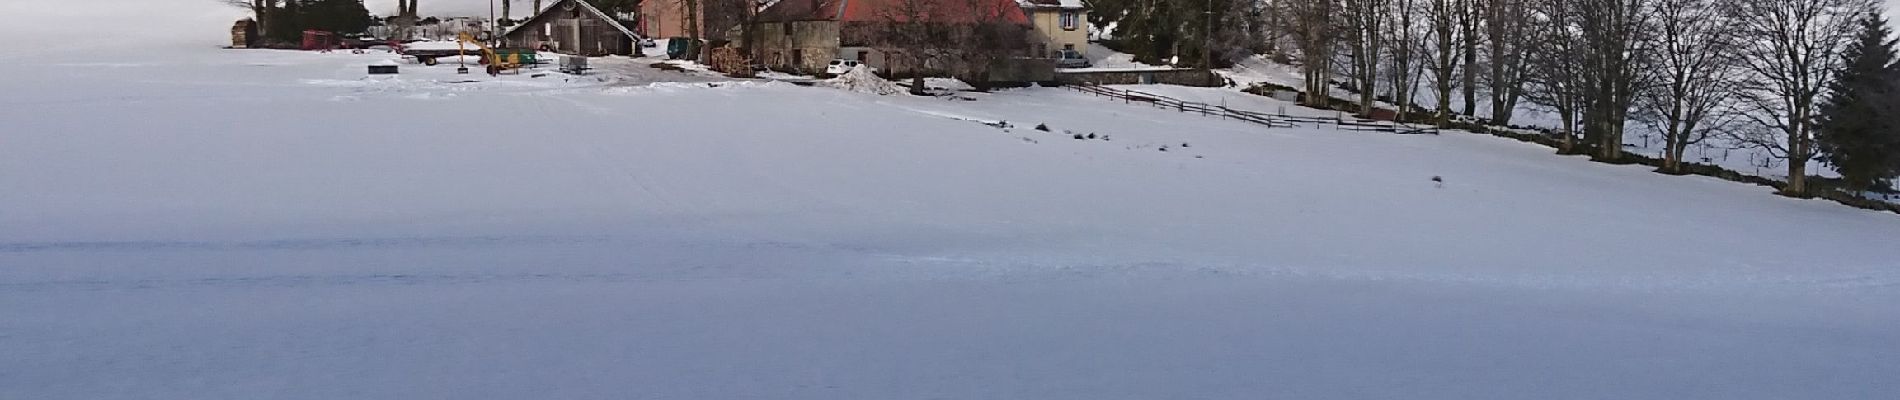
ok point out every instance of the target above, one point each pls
(496, 61)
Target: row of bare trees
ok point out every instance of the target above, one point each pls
(1749, 71)
(961, 38)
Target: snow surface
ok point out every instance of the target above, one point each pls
(197, 224)
(1103, 58)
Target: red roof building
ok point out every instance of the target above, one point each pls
(805, 36)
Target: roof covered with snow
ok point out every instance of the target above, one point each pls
(1052, 3)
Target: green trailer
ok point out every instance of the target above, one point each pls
(523, 57)
(676, 48)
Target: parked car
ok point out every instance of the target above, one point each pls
(841, 66)
(1072, 59)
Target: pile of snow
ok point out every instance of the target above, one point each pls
(470, 60)
(690, 65)
(1102, 57)
(947, 84)
(780, 75)
(861, 80)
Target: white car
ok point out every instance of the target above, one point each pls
(841, 66)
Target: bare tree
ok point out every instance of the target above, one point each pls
(1507, 24)
(1365, 30)
(1405, 33)
(1446, 50)
(406, 20)
(1554, 77)
(982, 35)
(1468, 22)
(905, 34)
(692, 21)
(1696, 77)
(1793, 50)
(1613, 55)
(1311, 26)
(261, 11)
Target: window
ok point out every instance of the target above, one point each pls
(1069, 20)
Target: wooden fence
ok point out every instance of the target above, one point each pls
(1275, 120)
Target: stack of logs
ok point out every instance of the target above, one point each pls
(729, 61)
(242, 33)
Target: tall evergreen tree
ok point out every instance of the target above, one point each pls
(339, 16)
(1856, 131)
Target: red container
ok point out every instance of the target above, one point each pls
(318, 40)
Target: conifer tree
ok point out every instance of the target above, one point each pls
(1856, 131)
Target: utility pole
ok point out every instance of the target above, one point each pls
(494, 26)
(1207, 40)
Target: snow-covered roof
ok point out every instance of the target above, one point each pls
(1053, 3)
(433, 45)
(870, 11)
(611, 21)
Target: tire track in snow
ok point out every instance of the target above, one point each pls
(600, 159)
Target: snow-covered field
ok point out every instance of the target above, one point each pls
(260, 224)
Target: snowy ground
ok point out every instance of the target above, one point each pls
(1103, 58)
(260, 224)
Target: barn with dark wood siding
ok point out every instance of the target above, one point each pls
(573, 27)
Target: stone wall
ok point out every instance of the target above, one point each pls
(1183, 77)
(1023, 70)
(797, 46)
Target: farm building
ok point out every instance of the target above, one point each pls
(805, 35)
(573, 27)
(718, 19)
(1060, 25)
